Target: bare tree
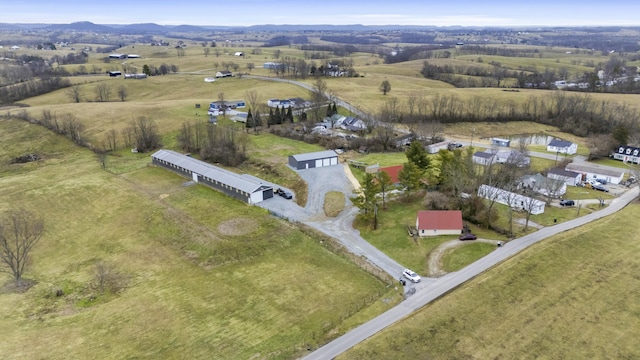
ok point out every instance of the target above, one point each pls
(122, 93)
(145, 134)
(223, 104)
(318, 97)
(127, 136)
(112, 136)
(74, 93)
(206, 51)
(252, 99)
(250, 66)
(20, 232)
(385, 87)
(107, 279)
(103, 92)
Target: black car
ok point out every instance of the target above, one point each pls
(467, 236)
(284, 193)
(566, 202)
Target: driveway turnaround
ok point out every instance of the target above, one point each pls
(443, 285)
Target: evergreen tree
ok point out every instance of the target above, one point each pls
(410, 176)
(271, 119)
(249, 124)
(289, 116)
(417, 155)
(146, 70)
(329, 111)
(257, 121)
(279, 115)
(335, 109)
(303, 116)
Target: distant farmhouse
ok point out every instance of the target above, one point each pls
(562, 147)
(224, 74)
(242, 187)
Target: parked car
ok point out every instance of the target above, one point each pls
(602, 181)
(599, 188)
(410, 275)
(566, 202)
(284, 193)
(467, 236)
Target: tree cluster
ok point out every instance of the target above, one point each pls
(214, 143)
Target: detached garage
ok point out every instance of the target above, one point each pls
(313, 160)
(241, 187)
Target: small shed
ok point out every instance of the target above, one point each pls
(313, 160)
(501, 142)
(439, 222)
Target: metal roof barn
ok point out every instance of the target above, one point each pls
(238, 186)
(313, 160)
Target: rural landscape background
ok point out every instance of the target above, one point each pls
(137, 262)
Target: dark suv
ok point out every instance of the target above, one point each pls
(566, 202)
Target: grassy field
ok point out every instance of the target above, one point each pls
(334, 202)
(206, 274)
(566, 297)
(461, 256)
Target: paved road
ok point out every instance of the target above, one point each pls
(449, 282)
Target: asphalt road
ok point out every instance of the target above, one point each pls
(449, 282)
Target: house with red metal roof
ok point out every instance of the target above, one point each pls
(439, 222)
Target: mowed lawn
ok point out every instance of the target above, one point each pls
(573, 296)
(208, 276)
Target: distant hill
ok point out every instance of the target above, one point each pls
(81, 26)
(143, 28)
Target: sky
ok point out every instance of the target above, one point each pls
(336, 12)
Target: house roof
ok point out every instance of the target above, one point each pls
(482, 154)
(594, 170)
(315, 155)
(393, 172)
(212, 172)
(440, 220)
(628, 150)
(560, 143)
(563, 172)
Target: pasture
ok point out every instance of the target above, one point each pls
(206, 274)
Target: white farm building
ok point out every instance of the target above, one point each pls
(243, 187)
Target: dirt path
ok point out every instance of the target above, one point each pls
(434, 261)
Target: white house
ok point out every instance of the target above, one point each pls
(570, 178)
(439, 222)
(482, 158)
(224, 73)
(562, 147)
(544, 185)
(515, 200)
(627, 154)
(588, 172)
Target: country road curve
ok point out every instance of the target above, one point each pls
(450, 281)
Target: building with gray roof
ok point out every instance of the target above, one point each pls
(313, 160)
(248, 189)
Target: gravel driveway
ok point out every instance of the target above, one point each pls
(319, 182)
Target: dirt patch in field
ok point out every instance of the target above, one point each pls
(239, 226)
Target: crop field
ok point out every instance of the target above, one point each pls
(565, 298)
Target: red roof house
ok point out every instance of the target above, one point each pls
(439, 222)
(393, 172)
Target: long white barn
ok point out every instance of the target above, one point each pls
(242, 187)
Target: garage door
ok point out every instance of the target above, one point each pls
(319, 163)
(334, 161)
(326, 162)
